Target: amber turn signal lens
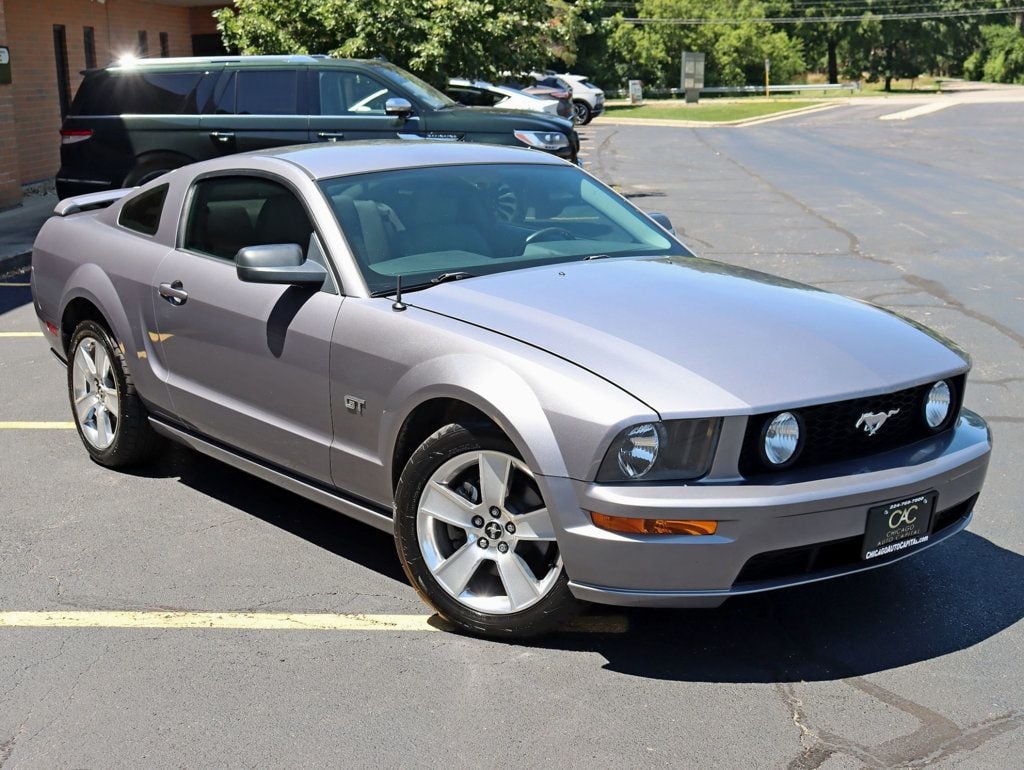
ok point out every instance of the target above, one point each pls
(653, 526)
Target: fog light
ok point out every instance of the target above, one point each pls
(631, 526)
(936, 406)
(781, 438)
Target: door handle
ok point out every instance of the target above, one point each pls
(222, 136)
(173, 293)
(330, 136)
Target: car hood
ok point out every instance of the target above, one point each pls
(696, 337)
(495, 120)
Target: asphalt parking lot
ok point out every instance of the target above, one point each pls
(915, 663)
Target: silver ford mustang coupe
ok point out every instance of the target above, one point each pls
(532, 384)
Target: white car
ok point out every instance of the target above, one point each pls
(477, 93)
(587, 99)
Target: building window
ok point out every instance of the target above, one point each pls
(143, 43)
(60, 55)
(89, 37)
(165, 45)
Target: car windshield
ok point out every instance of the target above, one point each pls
(421, 89)
(437, 223)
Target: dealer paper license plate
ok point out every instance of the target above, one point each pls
(897, 526)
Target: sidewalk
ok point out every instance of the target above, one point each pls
(18, 228)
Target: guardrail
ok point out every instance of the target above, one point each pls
(760, 89)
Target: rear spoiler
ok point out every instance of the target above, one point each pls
(90, 201)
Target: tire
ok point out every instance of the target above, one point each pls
(152, 167)
(582, 111)
(440, 505)
(110, 417)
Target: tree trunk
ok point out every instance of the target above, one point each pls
(1018, 21)
(833, 62)
(888, 82)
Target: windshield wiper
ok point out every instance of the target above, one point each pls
(595, 256)
(437, 279)
(445, 277)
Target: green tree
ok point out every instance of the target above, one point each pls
(1000, 57)
(735, 52)
(436, 39)
(821, 38)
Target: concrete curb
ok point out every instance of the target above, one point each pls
(13, 263)
(668, 122)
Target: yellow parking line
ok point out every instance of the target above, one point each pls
(36, 425)
(21, 334)
(14, 285)
(262, 621)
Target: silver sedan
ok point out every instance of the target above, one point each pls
(532, 384)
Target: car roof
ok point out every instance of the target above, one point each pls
(188, 62)
(324, 161)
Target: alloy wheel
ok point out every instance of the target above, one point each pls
(94, 393)
(485, 534)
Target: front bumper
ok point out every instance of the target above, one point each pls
(769, 536)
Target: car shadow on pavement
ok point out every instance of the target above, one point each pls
(949, 598)
(321, 526)
(13, 297)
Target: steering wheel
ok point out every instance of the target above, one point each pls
(542, 235)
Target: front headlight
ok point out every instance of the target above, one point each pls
(679, 450)
(543, 140)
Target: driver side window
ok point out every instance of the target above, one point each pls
(352, 93)
(228, 213)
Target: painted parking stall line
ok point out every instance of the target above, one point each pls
(916, 112)
(15, 335)
(36, 425)
(265, 621)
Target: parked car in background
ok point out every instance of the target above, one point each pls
(561, 93)
(565, 403)
(587, 99)
(477, 93)
(132, 122)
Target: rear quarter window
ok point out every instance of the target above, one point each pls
(142, 213)
(137, 93)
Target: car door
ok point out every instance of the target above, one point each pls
(349, 104)
(247, 363)
(251, 109)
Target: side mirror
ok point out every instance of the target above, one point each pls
(398, 107)
(663, 220)
(278, 263)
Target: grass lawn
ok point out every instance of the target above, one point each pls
(708, 111)
(922, 85)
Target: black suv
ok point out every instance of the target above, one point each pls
(134, 121)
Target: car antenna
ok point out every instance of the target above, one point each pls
(398, 305)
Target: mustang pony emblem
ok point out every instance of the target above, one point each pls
(872, 421)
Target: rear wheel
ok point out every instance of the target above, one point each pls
(475, 537)
(582, 112)
(111, 419)
(153, 167)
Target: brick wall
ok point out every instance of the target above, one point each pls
(10, 189)
(30, 36)
(202, 20)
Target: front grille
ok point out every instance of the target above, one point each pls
(830, 433)
(809, 560)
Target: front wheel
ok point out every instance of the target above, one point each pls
(582, 112)
(476, 539)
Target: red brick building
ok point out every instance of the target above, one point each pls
(49, 42)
